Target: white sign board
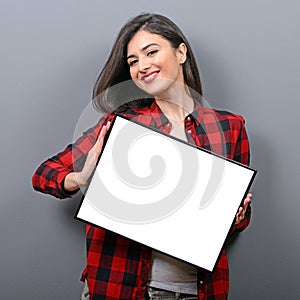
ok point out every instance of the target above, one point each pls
(157, 190)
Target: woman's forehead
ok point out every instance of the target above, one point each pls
(143, 38)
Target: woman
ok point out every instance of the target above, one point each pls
(152, 51)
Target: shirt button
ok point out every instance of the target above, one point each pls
(201, 282)
(189, 131)
(168, 124)
(189, 118)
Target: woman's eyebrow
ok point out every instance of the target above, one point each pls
(143, 49)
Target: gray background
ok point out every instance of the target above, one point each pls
(50, 55)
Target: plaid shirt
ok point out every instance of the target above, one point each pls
(117, 268)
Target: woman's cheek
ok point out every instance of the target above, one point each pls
(133, 74)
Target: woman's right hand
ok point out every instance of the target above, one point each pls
(74, 180)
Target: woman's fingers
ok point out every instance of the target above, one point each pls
(104, 131)
(242, 210)
(99, 143)
(92, 156)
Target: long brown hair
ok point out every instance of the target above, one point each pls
(110, 95)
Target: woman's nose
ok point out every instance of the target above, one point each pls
(144, 65)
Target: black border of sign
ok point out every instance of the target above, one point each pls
(179, 140)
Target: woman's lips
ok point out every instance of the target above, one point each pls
(150, 77)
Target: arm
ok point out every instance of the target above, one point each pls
(242, 155)
(63, 174)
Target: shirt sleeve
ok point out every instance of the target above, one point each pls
(242, 155)
(49, 176)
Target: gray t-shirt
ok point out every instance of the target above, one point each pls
(169, 273)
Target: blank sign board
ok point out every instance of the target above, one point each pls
(157, 190)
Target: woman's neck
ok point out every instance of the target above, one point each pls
(176, 108)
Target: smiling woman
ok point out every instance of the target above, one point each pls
(153, 56)
(158, 61)
(121, 64)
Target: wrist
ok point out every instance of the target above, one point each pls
(80, 179)
(72, 182)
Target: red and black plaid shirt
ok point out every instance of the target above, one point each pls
(117, 268)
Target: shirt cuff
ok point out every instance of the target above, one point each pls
(60, 185)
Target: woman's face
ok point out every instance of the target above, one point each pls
(155, 66)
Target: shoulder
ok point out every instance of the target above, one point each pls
(223, 114)
(225, 117)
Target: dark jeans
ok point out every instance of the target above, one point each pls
(152, 294)
(158, 294)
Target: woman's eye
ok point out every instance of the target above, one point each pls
(132, 63)
(150, 53)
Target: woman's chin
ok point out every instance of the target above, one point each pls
(157, 87)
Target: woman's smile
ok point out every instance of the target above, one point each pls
(148, 78)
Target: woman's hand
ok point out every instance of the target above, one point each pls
(75, 180)
(242, 210)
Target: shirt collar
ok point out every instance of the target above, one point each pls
(160, 119)
(157, 115)
(198, 112)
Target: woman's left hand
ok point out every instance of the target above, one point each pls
(242, 210)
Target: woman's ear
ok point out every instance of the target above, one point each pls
(181, 53)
